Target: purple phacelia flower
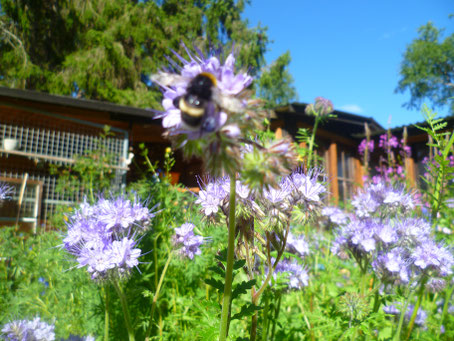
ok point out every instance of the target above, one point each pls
(394, 309)
(435, 285)
(28, 330)
(187, 242)
(297, 245)
(335, 215)
(432, 256)
(380, 198)
(211, 197)
(392, 266)
(297, 274)
(306, 187)
(226, 83)
(102, 236)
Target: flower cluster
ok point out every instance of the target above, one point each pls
(365, 145)
(208, 114)
(28, 330)
(391, 158)
(321, 107)
(296, 274)
(385, 198)
(103, 236)
(295, 189)
(399, 247)
(270, 210)
(187, 242)
(227, 84)
(335, 215)
(395, 309)
(206, 109)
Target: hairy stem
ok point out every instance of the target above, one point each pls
(416, 308)
(402, 312)
(106, 314)
(229, 268)
(156, 295)
(445, 309)
(311, 143)
(124, 306)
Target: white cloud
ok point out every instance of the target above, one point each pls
(351, 108)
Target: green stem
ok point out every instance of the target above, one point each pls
(311, 143)
(156, 295)
(445, 309)
(271, 269)
(124, 306)
(416, 308)
(276, 314)
(376, 300)
(265, 319)
(229, 268)
(402, 312)
(106, 314)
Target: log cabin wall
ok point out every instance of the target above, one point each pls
(336, 139)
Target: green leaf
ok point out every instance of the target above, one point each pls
(222, 256)
(217, 284)
(246, 310)
(217, 270)
(241, 288)
(239, 264)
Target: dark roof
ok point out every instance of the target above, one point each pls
(344, 124)
(412, 129)
(77, 103)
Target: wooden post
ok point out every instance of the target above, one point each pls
(359, 173)
(332, 172)
(410, 171)
(278, 133)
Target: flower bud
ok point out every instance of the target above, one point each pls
(323, 106)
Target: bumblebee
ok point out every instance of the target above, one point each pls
(196, 105)
(202, 103)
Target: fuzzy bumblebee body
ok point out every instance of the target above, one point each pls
(202, 102)
(195, 105)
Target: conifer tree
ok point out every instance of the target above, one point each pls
(104, 49)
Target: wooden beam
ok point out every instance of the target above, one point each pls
(332, 173)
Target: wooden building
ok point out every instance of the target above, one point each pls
(38, 129)
(337, 141)
(417, 140)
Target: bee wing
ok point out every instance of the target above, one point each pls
(229, 103)
(168, 79)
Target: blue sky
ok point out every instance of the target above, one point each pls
(349, 51)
